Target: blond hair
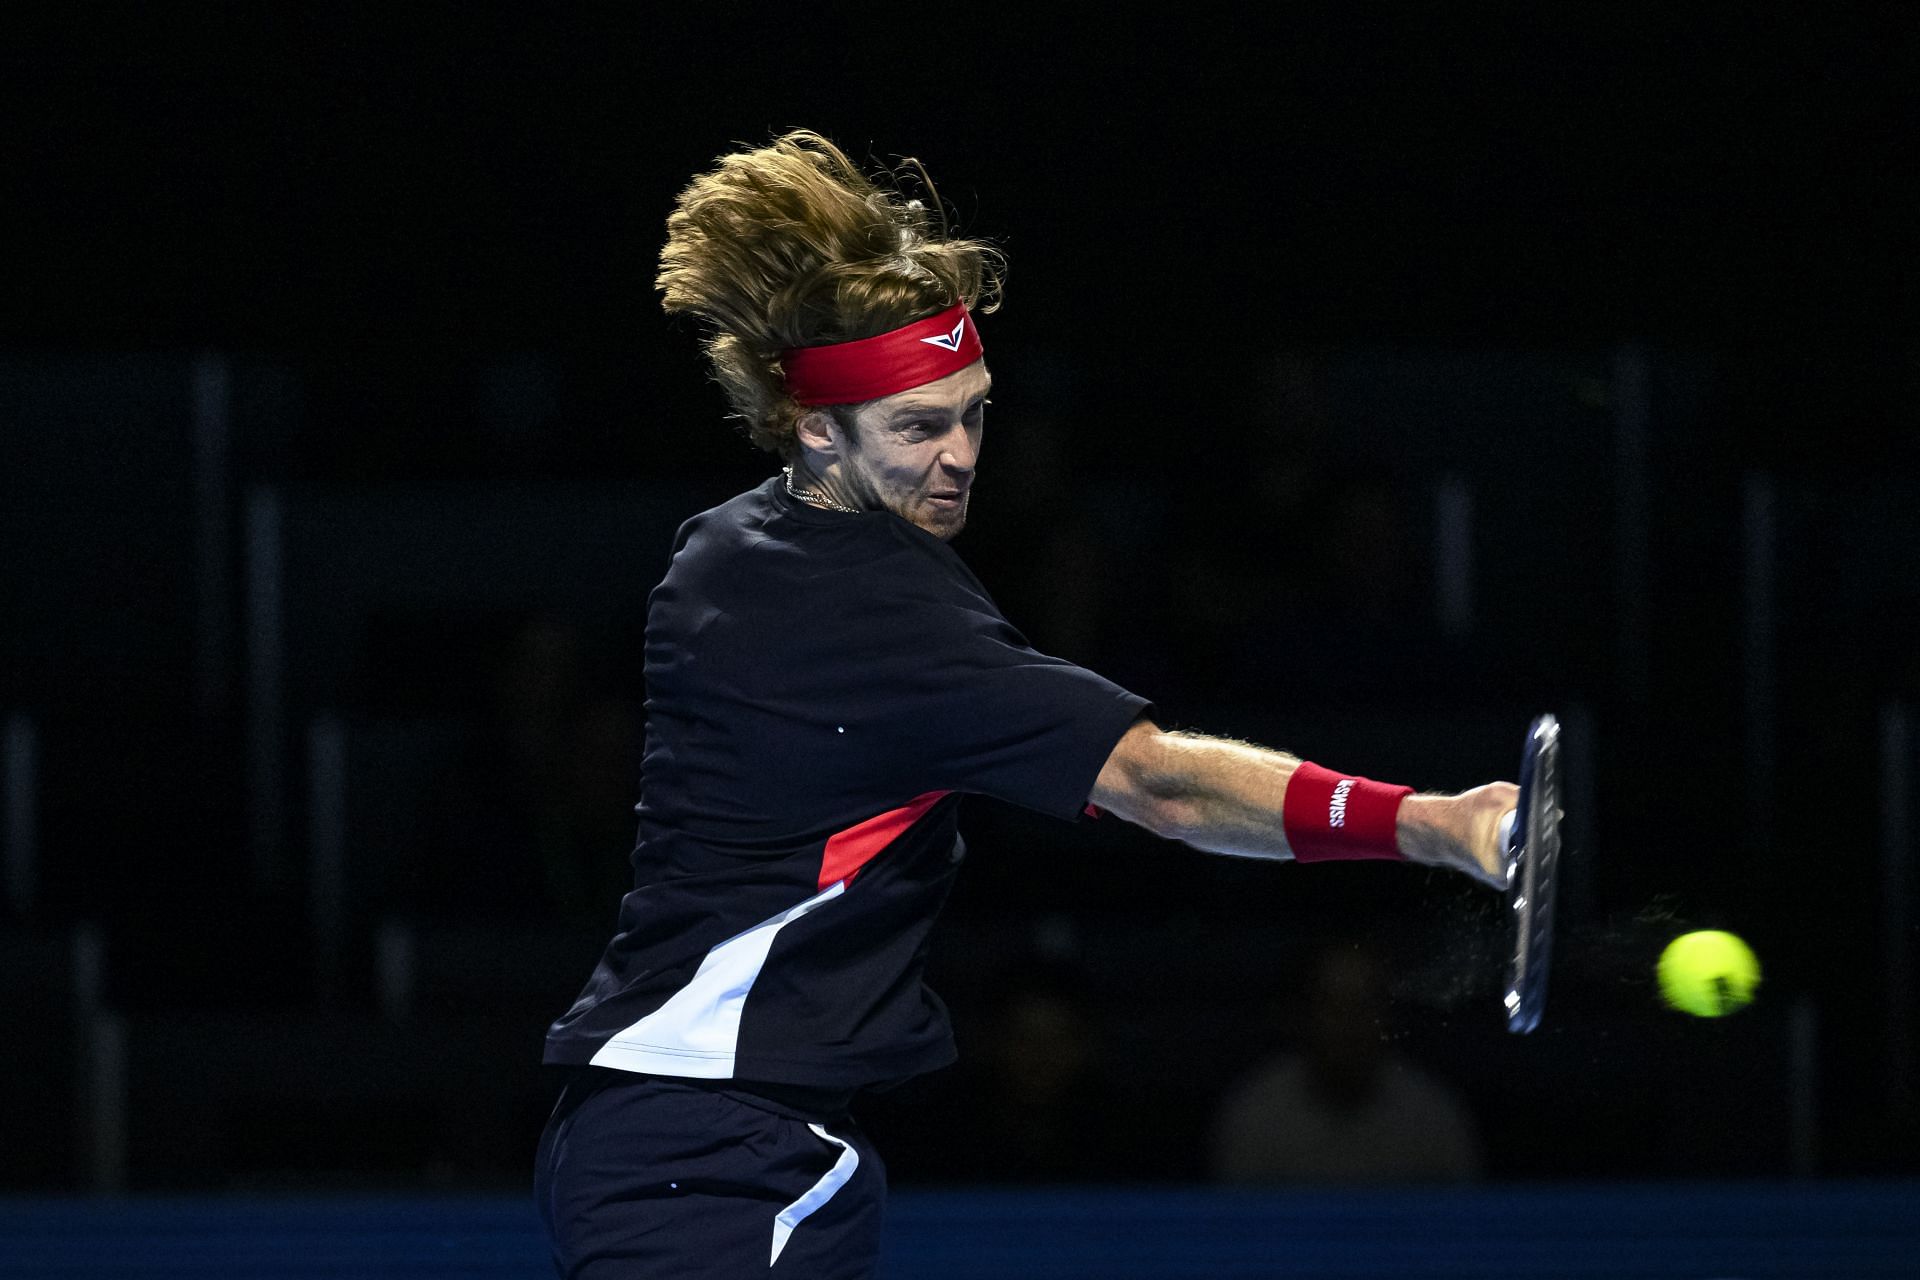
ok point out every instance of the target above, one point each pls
(791, 245)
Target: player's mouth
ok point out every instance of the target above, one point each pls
(952, 500)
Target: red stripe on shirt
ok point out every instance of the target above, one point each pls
(854, 848)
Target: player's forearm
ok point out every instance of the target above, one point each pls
(1213, 793)
(1230, 797)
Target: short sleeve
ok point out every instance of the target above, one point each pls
(968, 705)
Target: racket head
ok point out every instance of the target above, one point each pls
(1532, 877)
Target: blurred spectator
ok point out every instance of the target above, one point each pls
(1346, 1108)
(536, 817)
(1031, 1102)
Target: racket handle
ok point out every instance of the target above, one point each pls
(1507, 842)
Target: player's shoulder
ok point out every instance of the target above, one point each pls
(717, 537)
(761, 534)
(740, 512)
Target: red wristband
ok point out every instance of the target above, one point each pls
(1331, 817)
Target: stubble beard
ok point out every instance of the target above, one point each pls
(947, 527)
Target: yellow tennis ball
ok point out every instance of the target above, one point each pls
(1708, 973)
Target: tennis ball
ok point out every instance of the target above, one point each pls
(1708, 973)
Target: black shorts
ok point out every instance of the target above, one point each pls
(641, 1177)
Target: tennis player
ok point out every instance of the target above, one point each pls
(826, 679)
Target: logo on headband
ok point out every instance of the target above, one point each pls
(869, 368)
(948, 341)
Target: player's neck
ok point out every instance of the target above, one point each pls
(823, 488)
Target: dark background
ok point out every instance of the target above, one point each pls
(370, 297)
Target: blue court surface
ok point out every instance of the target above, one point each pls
(1716, 1232)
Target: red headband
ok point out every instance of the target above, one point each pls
(868, 368)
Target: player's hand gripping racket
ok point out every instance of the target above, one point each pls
(1531, 834)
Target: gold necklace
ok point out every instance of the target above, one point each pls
(816, 498)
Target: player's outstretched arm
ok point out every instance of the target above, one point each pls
(1230, 797)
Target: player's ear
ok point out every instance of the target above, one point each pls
(817, 432)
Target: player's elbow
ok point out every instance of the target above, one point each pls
(1144, 782)
(1176, 817)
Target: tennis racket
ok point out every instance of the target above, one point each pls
(1532, 837)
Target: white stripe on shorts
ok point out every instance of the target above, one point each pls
(818, 1194)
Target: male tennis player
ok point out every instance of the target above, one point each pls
(825, 680)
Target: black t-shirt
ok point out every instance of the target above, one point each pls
(822, 689)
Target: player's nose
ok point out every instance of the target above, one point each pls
(961, 454)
